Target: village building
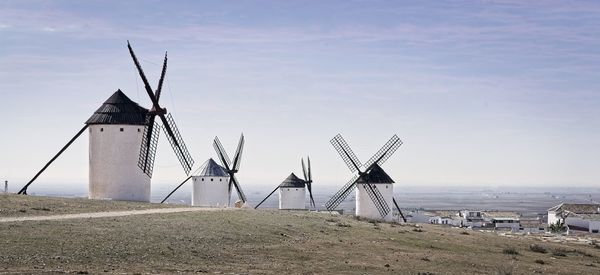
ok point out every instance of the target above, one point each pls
(577, 217)
(500, 220)
(472, 218)
(451, 218)
(496, 220)
(531, 225)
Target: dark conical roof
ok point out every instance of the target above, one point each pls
(293, 181)
(212, 169)
(376, 175)
(119, 109)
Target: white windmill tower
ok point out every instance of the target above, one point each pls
(115, 134)
(374, 194)
(210, 186)
(122, 144)
(292, 191)
(116, 130)
(217, 194)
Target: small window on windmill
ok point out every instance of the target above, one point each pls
(211, 179)
(220, 179)
(202, 179)
(121, 129)
(101, 129)
(296, 189)
(139, 130)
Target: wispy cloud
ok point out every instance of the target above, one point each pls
(514, 69)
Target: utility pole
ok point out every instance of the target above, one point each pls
(5, 186)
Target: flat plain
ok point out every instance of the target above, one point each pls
(247, 241)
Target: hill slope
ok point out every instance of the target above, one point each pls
(272, 242)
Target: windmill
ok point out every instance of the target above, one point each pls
(374, 193)
(230, 169)
(209, 188)
(122, 145)
(292, 191)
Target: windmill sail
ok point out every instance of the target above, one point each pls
(341, 195)
(148, 148)
(169, 125)
(237, 159)
(232, 169)
(377, 199)
(346, 153)
(221, 153)
(308, 180)
(385, 152)
(178, 145)
(235, 183)
(304, 171)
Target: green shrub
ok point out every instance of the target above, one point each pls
(510, 251)
(558, 227)
(537, 248)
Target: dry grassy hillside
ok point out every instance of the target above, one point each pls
(274, 242)
(17, 205)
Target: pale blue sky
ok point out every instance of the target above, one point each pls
(486, 93)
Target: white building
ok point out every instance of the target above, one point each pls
(447, 217)
(210, 187)
(380, 180)
(116, 131)
(445, 220)
(472, 218)
(502, 220)
(582, 217)
(292, 193)
(531, 225)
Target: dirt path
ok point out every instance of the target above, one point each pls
(107, 214)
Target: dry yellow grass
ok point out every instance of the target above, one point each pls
(274, 242)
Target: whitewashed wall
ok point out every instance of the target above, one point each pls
(210, 191)
(113, 156)
(292, 198)
(514, 225)
(594, 226)
(577, 222)
(365, 207)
